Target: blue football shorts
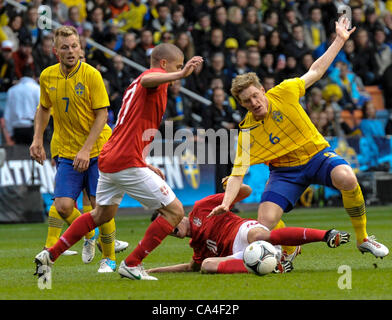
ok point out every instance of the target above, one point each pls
(286, 184)
(70, 183)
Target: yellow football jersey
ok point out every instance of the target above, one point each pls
(286, 137)
(72, 100)
(54, 145)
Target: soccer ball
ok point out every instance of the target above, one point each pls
(260, 257)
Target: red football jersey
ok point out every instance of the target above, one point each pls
(140, 114)
(214, 236)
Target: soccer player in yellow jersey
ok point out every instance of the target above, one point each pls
(278, 132)
(75, 94)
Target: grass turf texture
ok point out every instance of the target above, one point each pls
(315, 275)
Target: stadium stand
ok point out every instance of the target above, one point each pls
(284, 31)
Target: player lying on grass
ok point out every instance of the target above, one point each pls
(218, 242)
(278, 132)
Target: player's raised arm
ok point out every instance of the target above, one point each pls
(320, 66)
(155, 79)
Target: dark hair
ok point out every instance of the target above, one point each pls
(298, 25)
(202, 15)
(176, 8)
(269, 13)
(109, 37)
(162, 5)
(314, 7)
(27, 72)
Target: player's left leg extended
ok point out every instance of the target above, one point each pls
(344, 179)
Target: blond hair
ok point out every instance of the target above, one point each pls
(65, 31)
(242, 82)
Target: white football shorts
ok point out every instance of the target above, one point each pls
(141, 184)
(241, 239)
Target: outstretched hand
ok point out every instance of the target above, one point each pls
(342, 28)
(218, 210)
(191, 65)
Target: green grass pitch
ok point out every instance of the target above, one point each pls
(315, 277)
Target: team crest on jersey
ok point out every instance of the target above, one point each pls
(277, 116)
(196, 221)
(79, 89)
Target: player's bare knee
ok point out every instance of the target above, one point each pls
(209, 265)
(269, 214)
(343, 178)
(64, 208)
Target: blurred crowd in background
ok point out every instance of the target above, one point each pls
(276, 39)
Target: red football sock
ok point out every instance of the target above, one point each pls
(292, 236)
(232, 266)
(158, 230)
(73, 234)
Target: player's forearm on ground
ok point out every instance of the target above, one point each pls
(232, 189)
(184, 267)
(101, 116)
(41, 120)
(155, 79)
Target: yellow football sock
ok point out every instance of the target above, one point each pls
(354, 204)
(289, 249)
(73, 216)
(107, 237)
(87, 208)
(56, 223)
